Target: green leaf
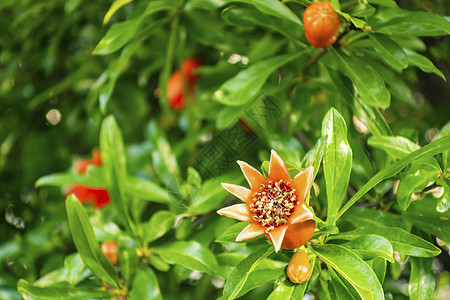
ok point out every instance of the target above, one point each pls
(288, 291)
(387, 3)
(128, 259)
(422, 279)
(390, 51)
(314, 156)
(357, 22)
(191, 255)
(93, 178)
(241, 272)
(116, 5)
(416, 23)
(371, 246)
(426, 65)
(117, 36)
(343, 291)
(145, 286)
(401, 240)
(259, 277)
(396, 146)
(75, 269)
(247, 83)
(87, 246)
(378, 265)
(272, 7)
(120, 33)
(159, 224)
(114, 166)
(416, 179)
(352, 268)
(148, 190)
(368, 83)
(435, 147)
(424, 214)
(32, 292)
(445, 131)
(337, 161)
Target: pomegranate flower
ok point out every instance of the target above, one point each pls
(97, 196)
(274, 206)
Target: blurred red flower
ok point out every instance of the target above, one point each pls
(99, 197)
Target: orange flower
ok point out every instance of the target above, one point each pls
(274, 206)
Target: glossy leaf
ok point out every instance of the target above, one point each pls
(114, 167)
(337, 161)
(342, 290)
(116, 5)
(368, 83)
(121, 33)
(401, 240)
(259, 277)
(314, 156)
(191, 255)
(371, 246)
(159, 224)
(75, 269)
(272, 7)
(429, 150)
(416, 23)
(352, 268)
(425, 215)
(390, 51)
(286, 290)
(357, 22)
(93, 178)
(148, 190)
(145, 286)
(86, 243)
(128, 259)
(396, 146)
(243, 87)
(32, 292)
(416, 179)
(241, 272)
(378, 265)
(426, 65)
(422, 279)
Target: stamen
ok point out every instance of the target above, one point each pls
(273, 206)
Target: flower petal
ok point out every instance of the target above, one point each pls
(238, 211)
(249, 232)
(241, 192)
(254, 178)
(301, 213)
(302, 182)
(277, 236)
(277, 168)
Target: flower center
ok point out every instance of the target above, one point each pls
(273, 205)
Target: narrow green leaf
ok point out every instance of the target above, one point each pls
(116, 5)
(93, 178)
(75, 269)
(343, 292)
(352, 268)
(191, 255)
(401, 240)
(389, 50)
(433, 148)
(422, 279)
(272, 7)
(368, 83)
(371, 246)
(378, 265)
(396, 146)
(32, 292)
(337, 161)
(417, 178)
(246, 84)
(145, 286)
(159, 224)
(288, 291)
(314, 156)
(114, 167)
(128, 259)
(416, 23)
(241, 272)
(148, 190)
(86, 243)
(426, 65)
